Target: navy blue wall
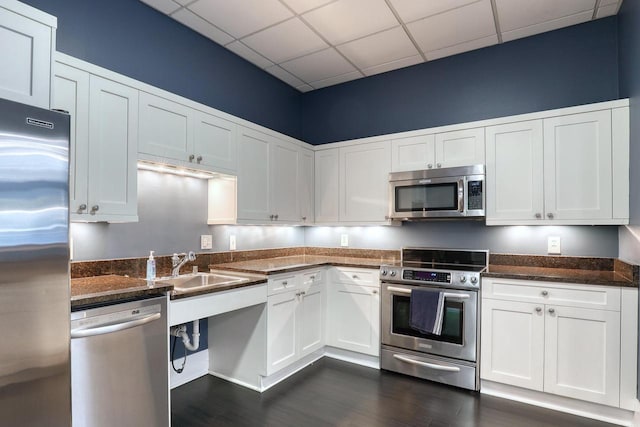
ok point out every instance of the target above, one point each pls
(133, 39)
(571, 66)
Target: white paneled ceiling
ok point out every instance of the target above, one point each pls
(310, 44)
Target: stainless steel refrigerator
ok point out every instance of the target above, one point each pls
(35, 377)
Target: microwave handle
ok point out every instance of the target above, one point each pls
(461, 191)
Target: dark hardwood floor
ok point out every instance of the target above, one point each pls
(335, 393)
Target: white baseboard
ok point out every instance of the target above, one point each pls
(581, 408)
(235, 381)
(352, 357)
(196, 367)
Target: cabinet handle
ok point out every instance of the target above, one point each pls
(285, 283)
(552, 310)
(375, 291)
(297, 294)
(303, 293)
(544, 293)
(271, 217)
(538, 215)
(439, 165)
(199, 159)
(94, 209)
(550, 215)
(312, 277)
(304, 218)
(538, 309)
(276, 216)
(191, 157)
(429, 166)
(354, 277)
(82, 207)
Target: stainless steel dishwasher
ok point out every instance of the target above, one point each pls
(119, 360)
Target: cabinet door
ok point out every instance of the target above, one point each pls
(583, 354)
(327, 185)
(512, 343)
(514, 172)
(254, 199)
(215, 143)
(311, 315)
(460, 148)
(71, 93)
(414, 153)
(354, 318)
(364, 182)
(577, 166)
(26, 46)
(113, 142)
(284, 179)
(305, 186)
(164, 128)
(281, 330)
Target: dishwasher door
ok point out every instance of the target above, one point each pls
(119, 365)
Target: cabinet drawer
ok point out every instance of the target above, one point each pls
(314, 277)
(356, 276)
(571, 295)
(283, 283)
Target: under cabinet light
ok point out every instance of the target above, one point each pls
(175, 170)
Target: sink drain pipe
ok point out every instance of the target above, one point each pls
(181, 332)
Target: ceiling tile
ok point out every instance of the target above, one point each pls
(301, 6)
(394, 65)
(337, 80)
(242, 50)
(164, 6)
(608, 10)
(514, 14)
(318, 66)
(285, 76)
(304, 88)
(462, 47)
(285, 41)
(380, 48)
(452, 28)
(608, 2)
(184, 2)
(193, 21)
(240, 18)
(547, 26)
(346, 20)
(412, 10)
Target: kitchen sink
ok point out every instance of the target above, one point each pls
(196, 281)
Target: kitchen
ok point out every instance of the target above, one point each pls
(503, 80)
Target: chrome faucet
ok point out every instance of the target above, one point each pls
(176, 262)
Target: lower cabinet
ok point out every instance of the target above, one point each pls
(556, 338)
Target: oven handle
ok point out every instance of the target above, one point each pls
(445, 295)
(427, 365)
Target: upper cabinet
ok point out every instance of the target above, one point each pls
(28, 38)
(442, 150)
(327, 186)
(185, 136)
(104, 132)
(559, 170)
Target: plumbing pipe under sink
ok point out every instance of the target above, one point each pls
(181, 332)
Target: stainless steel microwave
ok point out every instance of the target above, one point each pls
(437, 193)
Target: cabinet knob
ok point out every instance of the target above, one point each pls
(375, 291)
(538, 215)
(545, 293)
(552, 310)
(538, 309)
(429, 166)
(285, 283)
(199, 159)
(304, 218)
(276, 217)
(94, 209)
(191, 157)
(312, 277)
(82, 207)
(271, 217)
(550, 215)
(354, 277)
(303, 293)
(438, 165)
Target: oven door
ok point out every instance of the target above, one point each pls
(459, 328)
(424, 198)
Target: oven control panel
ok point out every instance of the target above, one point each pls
(458, 279)
(427, 276)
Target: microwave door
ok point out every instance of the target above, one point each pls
(428, 198)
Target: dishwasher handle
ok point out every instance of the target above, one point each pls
(108, 329)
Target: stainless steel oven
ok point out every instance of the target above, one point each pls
(451, 356)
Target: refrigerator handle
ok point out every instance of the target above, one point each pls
(99, 330)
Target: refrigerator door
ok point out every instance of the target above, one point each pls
(34, 267)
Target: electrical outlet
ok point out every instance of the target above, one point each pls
(206, 241)
(232, 242)
(553, 245)
(344, 240)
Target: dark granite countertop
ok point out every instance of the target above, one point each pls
(288, 264)
(111, 289)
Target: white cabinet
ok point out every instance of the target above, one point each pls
(254, 177)
(306, 182)
(104, 130)
(186, 137)
(295, 317)
(353, 310)
(558, 170)
(557, 338)
(327, 186)
(27, 43)
(285, 206)
(447, 149)
(364, 182)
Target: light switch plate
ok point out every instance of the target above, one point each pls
(206, 241)
(232, 242)
(344, 240)
(553, 245)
